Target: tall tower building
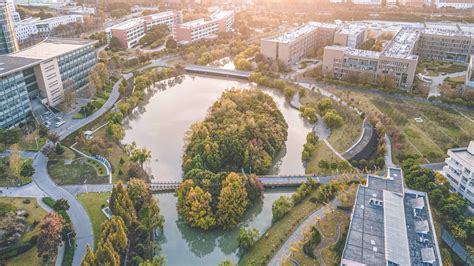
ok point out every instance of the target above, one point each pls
(8, 42)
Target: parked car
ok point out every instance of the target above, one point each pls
(59, 123)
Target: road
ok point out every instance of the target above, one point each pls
(298, 234)
(74, 124)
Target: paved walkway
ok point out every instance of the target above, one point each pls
(388, 152)
(298, 235)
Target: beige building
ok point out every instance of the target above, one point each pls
(294, 45)
(396, 62)
(352, 35)
(445, 44)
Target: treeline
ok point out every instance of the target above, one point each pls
(128, 237)
(244, 130)
(287, 89)
(450, 207)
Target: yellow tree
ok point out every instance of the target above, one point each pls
(233, 201)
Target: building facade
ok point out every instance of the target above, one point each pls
(8, 42)
(469, 82)
(391, 225)
(447, 45)
(44, 71)
(351, 35)
(457, 4)
(294, 45)
(131, 31)
(205, 28)
(30, 27)
(397, 62)
(459, 170)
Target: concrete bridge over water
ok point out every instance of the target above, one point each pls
(208, 70)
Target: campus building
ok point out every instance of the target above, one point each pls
(459, 170)
(351, 35)
(8, 42)
(294, 45)
(27, 28)
(131, 31)
(391, 225)
(42, 73)
(205, 28)
(445, 44)
(396, 62)
(457, 4)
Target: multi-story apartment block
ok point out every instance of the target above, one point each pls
(292, 46)
(30, 27)
(469, 83)
(8, 42)
(351, 35)
(458, 4)
(367, 2)
(43, 72)
(391, 225)
(205, 28)
(397, 61)
(459, 170)
(131, 31)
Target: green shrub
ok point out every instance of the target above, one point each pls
(312, 243)
(6, 208)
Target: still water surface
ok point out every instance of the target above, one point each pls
(161, 123)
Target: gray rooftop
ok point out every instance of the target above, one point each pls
(386, 228)
(10, 64)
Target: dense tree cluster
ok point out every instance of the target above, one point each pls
(155, 36)
(248, 237)
(309, 147)
(50, 235)
(208, 200)
(450, 206)
(243, 129)
(287, 89)
(135, 218)
(241, 60)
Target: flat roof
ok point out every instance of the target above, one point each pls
(300, 31)
(464, 155)
(352, 28)
(160, 15)
(221, 14)
(10, 64)
(402, 45)
(355, 52)
(52, 47)
(127, 24)
(385, 227)
(396, 238)
(196, 23)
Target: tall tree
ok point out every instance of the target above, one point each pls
(122, 206)
(140, 156)
(106, 255)
(233, 201)
(198, 209)
(115, 232)
(50, 235)
(89, 258)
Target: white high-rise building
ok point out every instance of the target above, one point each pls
(459, 170)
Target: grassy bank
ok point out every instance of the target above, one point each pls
(272, 240)
(93, 203)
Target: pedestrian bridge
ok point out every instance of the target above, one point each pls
(268, 181)
(208, 70)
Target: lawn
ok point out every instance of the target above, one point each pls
(10, 181)
(119, 171)
(32, 142)
(272, 240)
(344, 137)
(322, 153)
(435, 68)
(76, 172)
(99, 168)
(441, 129)
(35, 214)
(93, 203)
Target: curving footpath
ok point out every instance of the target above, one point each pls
(79, 218)
(297, 235)
(78, 214)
